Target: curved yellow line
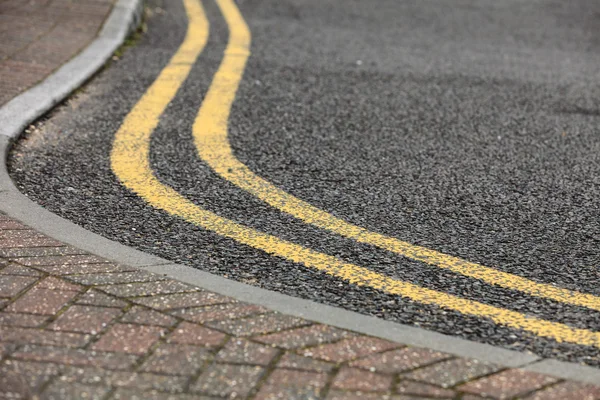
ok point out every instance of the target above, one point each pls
(212, 144)
(130, 162)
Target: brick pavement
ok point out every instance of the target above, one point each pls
(75, 326)
(38, 36)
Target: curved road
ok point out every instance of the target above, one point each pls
(433, 163)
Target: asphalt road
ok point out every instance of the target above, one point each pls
(468, 127)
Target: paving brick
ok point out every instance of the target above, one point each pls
(183, 300)
(60, 260)
(25, 76)
(9, 224)
(306, 336)
(15, 269)
(22, 320)
(115, 278)
(11, 285)
(507, 384)
(72, 391)
(399, 360)
(40, 242)
(141, 381)
(360, 380)
(188, 333)
(25, 72)
(21, 379)
(131, 394)
(218, 312)
(86, 10)
(52, 50)
(424, 390)
(96, 298)
(20, 234)
(241, 351)
(129, 338)
(85, 319)
(74, 357)
(42, 337)
(449, 373)
(54, 283)
(144, 316)
(41, 301)
(260, 324)
(349, 349)
(39, 251)
(567, 391)
(82, 268)
(6, 349)
(174, 359)
(87, 25)
(290, 384)
(228, 380)
(147, 289)
(345, 395)
(295, 361)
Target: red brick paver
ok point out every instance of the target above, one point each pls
(41, 301)
(399, 360)
(187, 333)
(246, 352)
(411, 388)
(349, 349)
(87, 328)
(85, 319)
(450, 373)
(290, 384)
(567, 391)
(508, 384)
(129, 338)
(356, 379)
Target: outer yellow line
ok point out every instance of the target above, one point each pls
(130, 162)
(210, 135)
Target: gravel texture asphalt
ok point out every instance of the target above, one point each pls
(464, 126)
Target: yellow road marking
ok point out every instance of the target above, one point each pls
(212, 144)
(130, 163)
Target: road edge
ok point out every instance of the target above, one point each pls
(38, 100)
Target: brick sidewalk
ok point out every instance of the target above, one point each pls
(38, 36)
(75, 326)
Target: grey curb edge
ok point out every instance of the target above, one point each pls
(35, 102)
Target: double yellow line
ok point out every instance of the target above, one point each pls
(130, 163)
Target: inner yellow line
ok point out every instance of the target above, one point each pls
(212, 144)
(130, 163)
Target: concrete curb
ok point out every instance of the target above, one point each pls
(16, 115)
